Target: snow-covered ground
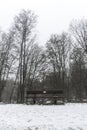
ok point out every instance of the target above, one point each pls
(38, 117)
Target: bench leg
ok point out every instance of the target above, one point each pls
(34, 101)
(55, 102)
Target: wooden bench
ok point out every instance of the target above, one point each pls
(55, 95)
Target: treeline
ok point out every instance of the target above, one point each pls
(24, 65)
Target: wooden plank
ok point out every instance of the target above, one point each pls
(45, 96)
(45, 92)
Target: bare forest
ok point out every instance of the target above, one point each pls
(25, 65)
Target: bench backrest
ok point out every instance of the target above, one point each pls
(45, 92)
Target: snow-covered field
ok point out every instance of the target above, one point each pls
(35, 117)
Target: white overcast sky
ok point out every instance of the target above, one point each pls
(54, 16)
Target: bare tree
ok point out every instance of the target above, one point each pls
(24, 38)
(58, 49)
(78, 80)
(36, 65)
(7, 59)
(79, 32)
